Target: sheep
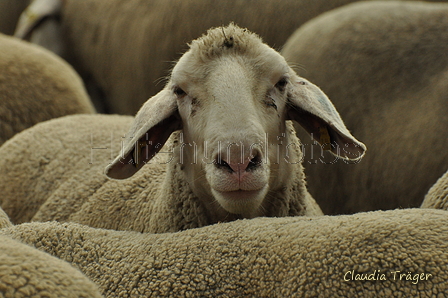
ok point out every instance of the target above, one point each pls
(10, 11)
(384, 65)
(121, 48)
(397, 253)
(35, 85)
(437, 196)
(231, 151)
(28, 272)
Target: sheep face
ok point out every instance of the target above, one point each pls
(233, 121)
(231, 95)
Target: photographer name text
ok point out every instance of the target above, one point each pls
(377, 275)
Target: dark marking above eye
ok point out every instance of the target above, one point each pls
(270, 102)
(228, 42)
(179, 92)
(195, 105)
(281, 84)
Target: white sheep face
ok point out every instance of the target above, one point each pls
(235, 115)
(231, 95)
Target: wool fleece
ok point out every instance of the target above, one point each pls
(398, 253)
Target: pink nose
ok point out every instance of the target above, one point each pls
(240, 168)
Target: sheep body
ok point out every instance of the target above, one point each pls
(28, 272)
(437, 196)
(35, 85)
(123, 47)
(262, 257)
(387, 76)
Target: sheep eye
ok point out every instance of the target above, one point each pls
(179, 92)
(281, 84)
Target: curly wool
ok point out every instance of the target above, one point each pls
(28, 272)
(262, 257)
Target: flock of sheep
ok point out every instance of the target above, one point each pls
(238, 177)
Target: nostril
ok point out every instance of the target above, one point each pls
(223, 165)
(255, 162)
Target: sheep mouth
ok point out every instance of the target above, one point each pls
(244, 202)
(240, 194)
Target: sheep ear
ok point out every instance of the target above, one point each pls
(312, 109)
(151, 128)
(34, 14)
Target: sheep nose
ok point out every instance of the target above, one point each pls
(237, 167)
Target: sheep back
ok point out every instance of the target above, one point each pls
(35, 85)
(262, 257)
(28, 272)
(54, 156)
(437, 196)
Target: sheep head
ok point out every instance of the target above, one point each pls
(232, 95)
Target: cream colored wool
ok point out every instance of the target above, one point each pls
(384, 65)
(35, 85)
(262, 257)
(28, 272)
(437, 197)
(62, 167)
(133, 41)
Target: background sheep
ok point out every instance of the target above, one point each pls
(262, 257)
(437, 197)
(10, 11)
(217, 168)
(385, 67)
(35, 85)
(123, 47)
(28, 272)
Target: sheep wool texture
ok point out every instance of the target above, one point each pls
(398, 253)
(68, 148)
(65, 181)
(437, 197)
(387, 77)
(28, 272)
(36, 85)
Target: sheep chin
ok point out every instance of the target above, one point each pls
(246, 203)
